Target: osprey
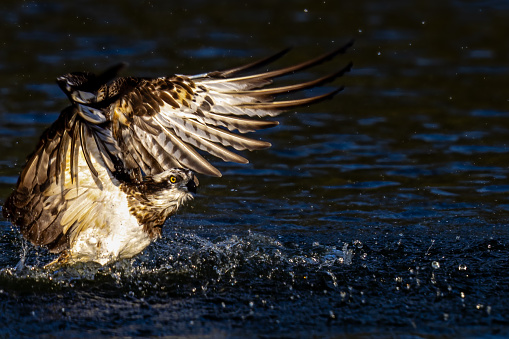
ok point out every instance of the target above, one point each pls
(121, 158)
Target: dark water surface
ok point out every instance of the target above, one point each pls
(382, 212)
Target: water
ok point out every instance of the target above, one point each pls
(382, 212)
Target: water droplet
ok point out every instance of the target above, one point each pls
(462, 294)
(332, 315)
(435, 265)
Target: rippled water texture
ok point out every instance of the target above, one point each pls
(381, 212)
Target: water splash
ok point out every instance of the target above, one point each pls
(187, 256)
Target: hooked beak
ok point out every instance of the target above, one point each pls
(192, 184)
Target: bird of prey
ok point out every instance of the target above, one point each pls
(122, 157)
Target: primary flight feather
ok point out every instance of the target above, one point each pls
(121, 159)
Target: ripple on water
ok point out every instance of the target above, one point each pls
(185, 269)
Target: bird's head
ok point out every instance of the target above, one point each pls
(159, 196)
(171, 187)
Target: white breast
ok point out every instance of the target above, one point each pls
(115, 233)
(97, 220)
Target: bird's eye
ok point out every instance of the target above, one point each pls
(173, 179)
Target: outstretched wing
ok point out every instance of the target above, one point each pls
(65, 184)
(115, 131)
(159, 123)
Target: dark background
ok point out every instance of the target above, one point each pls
(382, 212)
